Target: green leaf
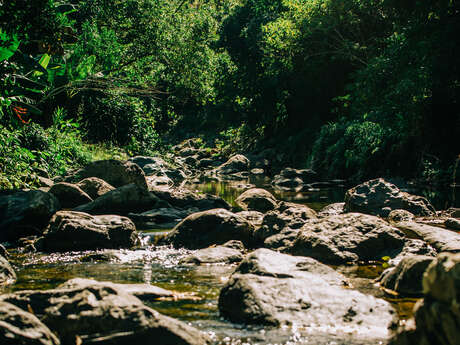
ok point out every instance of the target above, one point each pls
(45, 60)
(8, 51)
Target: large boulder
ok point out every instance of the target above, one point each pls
(123, 200)
(274, 289)
(18, 327)
(436, 318)
(184, 198)
(379, 197)
(202, 229)
(69, 195)
(214, 255)
(7, 274)
(290, 178)
(350, 237)
(114, 172)
(406, 278)
(160, 218)
(25, 213)
(103, 314)
(235, 164)
(68, 231)
(94, 187)
(257, 199)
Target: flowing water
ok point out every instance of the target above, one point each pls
(199, 285)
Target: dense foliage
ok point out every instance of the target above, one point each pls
(351, 88)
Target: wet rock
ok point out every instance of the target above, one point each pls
(287, 183)
(7, 274)
(400, 216)
(452, 223)
(184, 198)
(436, 318)
(440, 239)
(346, 238)
(69, 195)
(160, 218)
(253, 217)
(95, 187)
(18, 327)
(217, 226)
(123, 200)
(288, 215)
(235, 164)
(274, 289)
(379, 197)
(406, 278)
(213, 255)
(257, 199)
(25, 213)
(103, 313)
(70, 231)
(332, 209)
(114, 172)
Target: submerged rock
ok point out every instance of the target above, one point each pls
(69, 195)
(406, 278)
(275, 289)
(436, 319)
(379, 197)
(18, 327)
(350, 237)
(70, 231)
(257, 199)
(25, 213)
(95, 187)
(103, 313)
(202, 229)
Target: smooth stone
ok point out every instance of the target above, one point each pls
(235, 164)
(184, 198)
(213, 255)
(69, 195)
(95, 187)
(257, 199)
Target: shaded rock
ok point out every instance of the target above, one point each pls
(95, 187)
(160, 218)
(287, 183)
(208, 162)
(202, 229)
(346, 238)
(440, 239)
(213, 255)
(69, 195)
(281, 241)
(288, 215)
(18, 327)
(235, 164)
(144, 292)
(155, 181)
(332, 209)
(379, 197)
(123, 200)
(406, 278)
(306, 175)
(4, 252)
(7, 274)
(273, 289)
(103, 313)
(150, 165)
(177, 175)
(436, 319)
(25, 213)
(184, 198)
(253, 217)
(234, 244)
(257, 199)
(45, 182)
(114, 172)
(400, 216)
(413, 247)
(452, 223)
(70, 231)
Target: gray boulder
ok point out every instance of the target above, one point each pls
(293, 178)
(235, 164)
(114, 172)
(103, 314)
(406, 278)
(274, 289)
(184, 198)
(123, 200)
(379, 197)
(25, 213)
(202, 229)
(69, 195)
(18, 327)
(436, 318)
(95, 187)
(257, 199)
(7, 274)
(350, 237)
(214, 255)
(70, 231)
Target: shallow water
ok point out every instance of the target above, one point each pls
(200, 285)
